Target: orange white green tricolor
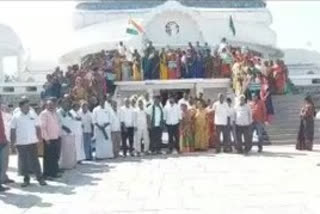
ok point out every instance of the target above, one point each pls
(134, 28)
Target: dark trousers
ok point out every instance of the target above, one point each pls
(244, 131)
(51, 156)
(87, 145)
(2, 145)
(226, 137)
(173, 132)
(155, 139)
(28, 160)
(127, 133)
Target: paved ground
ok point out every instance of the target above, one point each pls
(281, 180)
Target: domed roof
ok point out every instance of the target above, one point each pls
(10, 43)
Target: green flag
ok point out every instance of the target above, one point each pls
(231, 25)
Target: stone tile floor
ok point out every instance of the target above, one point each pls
(280, 180)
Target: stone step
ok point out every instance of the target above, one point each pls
(288, 137)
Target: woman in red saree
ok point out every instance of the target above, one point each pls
(279, 77)
(306, 130)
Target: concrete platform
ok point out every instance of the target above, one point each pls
(280, 180)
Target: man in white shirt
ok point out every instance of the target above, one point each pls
(115, 129)
(68, 156)
(25, 134)
(147, 100)
(184, 100)
(101, 118)
(78, 132)
(127, 114)
(223, 44)
(231, 123)
(221, 121)
(86, 118)
(172, 117)
(122, 50)
(156, 122)
(141, 129)
(243, 120)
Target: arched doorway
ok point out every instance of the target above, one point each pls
(173, 28)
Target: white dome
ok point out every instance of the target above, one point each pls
(10, 43)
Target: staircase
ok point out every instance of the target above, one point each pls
(286, 121)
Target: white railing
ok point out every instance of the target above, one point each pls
(16, 88)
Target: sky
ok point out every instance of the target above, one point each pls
(45, 26)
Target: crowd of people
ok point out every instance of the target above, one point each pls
(96, 74)
(79, 119)
(72, 132)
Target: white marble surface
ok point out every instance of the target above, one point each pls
(280, 180)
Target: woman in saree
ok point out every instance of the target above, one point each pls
(199, 66)
(163, 65)
(306, 129)
(117, 65)
(216, 65)
(201, 127)
(186, 130)
(226, 58)
(79, 92)
(211, 126)
(208, 65)
(136, 68)
(126, 70)
(172, 65)
(266, 97)
(279, 77)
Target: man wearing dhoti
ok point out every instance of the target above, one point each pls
(68, 158)
(77, 130)
(101, 119)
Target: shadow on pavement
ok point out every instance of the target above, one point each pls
(277, 154)
(23, 201)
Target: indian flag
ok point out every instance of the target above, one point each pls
(134, 28)
(231, 26)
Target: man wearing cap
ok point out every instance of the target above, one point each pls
(243, 120)
(25, 134)
(259, 115)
